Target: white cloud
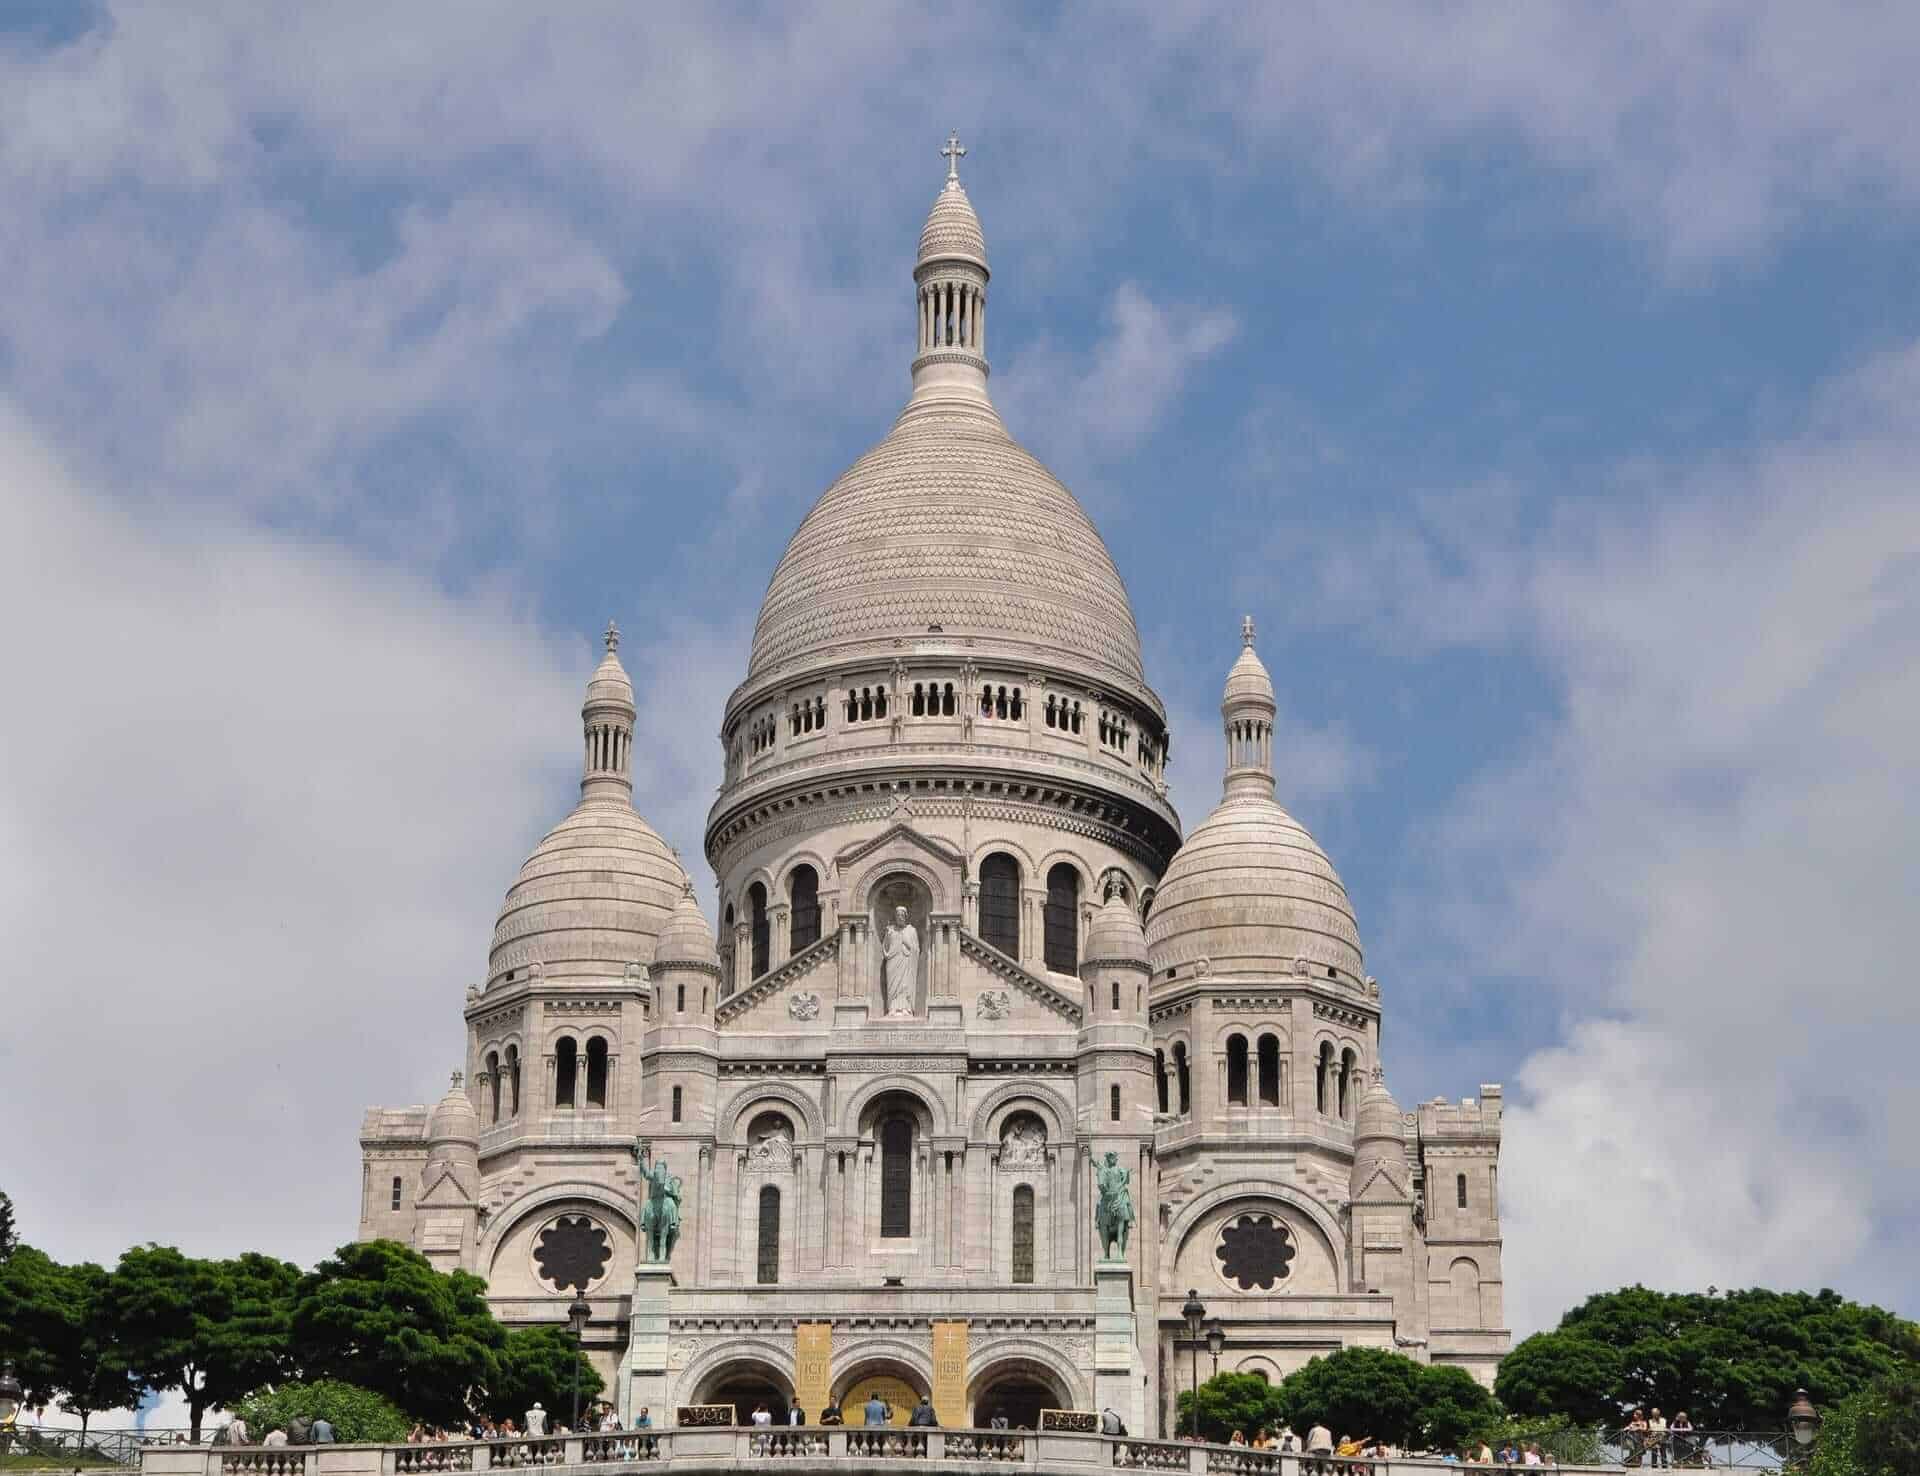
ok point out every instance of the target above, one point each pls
(1710, 861)
(258, 803)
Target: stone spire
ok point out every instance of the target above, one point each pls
(607, 717)
(1248, 709)
(950, 279)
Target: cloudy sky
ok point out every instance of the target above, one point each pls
(1541, 379)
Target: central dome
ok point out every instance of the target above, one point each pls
(949, 527)
(948, 524)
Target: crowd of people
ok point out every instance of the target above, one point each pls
(1323, 1455)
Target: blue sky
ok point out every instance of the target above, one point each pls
(1541, 383)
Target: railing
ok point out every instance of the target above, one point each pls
(1699, 1450)
(798, 1448)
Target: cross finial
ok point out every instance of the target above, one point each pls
(612, 636)
(458, 1078)
(1246, 630)
(953, 154)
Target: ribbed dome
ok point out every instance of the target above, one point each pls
(1378, 1115)
(686, 938)
(1114, 934)
(1250, 892)
(591, 898)
(952, 231)
(948, 522)
(453, 1119)
(610, 682)
(1247, 679)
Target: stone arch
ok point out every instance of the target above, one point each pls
(822, 868)
(723, 1359)
(1000, 1103)
(762, 1096)
(887, 862)
(1012, 847)
(1190, 1214)
(906, 1086)
(882, 1356)
(1012, 1357)
(1247, 1025)
(536, 1203)
(1260, 1364)
(1059, 855)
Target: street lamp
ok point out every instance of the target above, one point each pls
(1216, 1341)
(578, 1313)
(10, 1396)
(1194, 1312)
(1803, 1423)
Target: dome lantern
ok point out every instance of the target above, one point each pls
(1247, 708)
(607, 717)
(950, 277)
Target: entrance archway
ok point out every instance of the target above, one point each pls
(898, 1385)
(1016, 1389)
(746, 1385)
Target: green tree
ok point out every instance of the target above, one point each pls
(91, 1367)
(1357, 1392)
(1229, 1402)
(538, 1364)
(36, 1320)
(1453, 1405)
(379, 1315)
(9, 1236)
(211, 1329)
(1886, 1432)
(357, 1415)
(1732, 1362)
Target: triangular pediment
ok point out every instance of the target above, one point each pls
(1382, 1188)
(898, 833)
(444, 1191)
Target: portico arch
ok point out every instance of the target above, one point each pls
(895, 1370)
(1018, 1379)
(744, 1380)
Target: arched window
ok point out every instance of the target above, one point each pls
(726, 953)
(1269, 1071)
(1236, 1071)
(1146, 906)
(680, 999)
(1063, 919)
(1348, 1067)
(1116, 996)
(1323, 1078)
(566, 1063)
(1464, 1275)
(803, 890)
(896, 1178)
(1000, 903)
(396, 1192)
(676, 1104)
(1113, 1103)
(597, 1072)
(1460, 1189)
(761, 935)
(513, 1081)
(769, 1272)
(1160, 1079)
(1022, 1235)
(493, 1084)
(1183, 1077)
(919, 699)
(946, 700)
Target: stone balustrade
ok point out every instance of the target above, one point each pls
(801, 1449)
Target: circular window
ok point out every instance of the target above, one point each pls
(571, 1253)
(1255, 1252)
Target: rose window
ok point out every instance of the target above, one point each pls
(572, 1253)
(1255, 1252)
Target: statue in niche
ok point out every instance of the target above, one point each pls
(1113, 1216)
(660, 1216)
(772, 1145)
(900, 964)
(1024, 1144)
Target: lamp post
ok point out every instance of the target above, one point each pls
(10, 1396)
(1194, 1312)
(578, 1313)
(1803, 1424)
(1216, 1341)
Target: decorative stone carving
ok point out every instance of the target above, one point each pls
(900, 958)
(804, 1005)
(1024, 1143)
(682, 1352)
(571, 1254)
(993, 1004)
(772, 1145)
(636, 975)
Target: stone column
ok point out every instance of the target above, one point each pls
(778, 916)
(742, 955)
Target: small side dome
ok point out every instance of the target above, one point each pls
(454, 1118)
(686, 939)
(1378, 1116)
(1115, 935)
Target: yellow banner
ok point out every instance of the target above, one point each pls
(950, 1373)
(812, 1367)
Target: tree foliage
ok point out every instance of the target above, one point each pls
(356, 1414)
(9, 1233)
(1232, 1401)
(378, 1314)
(538, 1365)
(211, 1329)
(1886, 1427)
(1732, 1362)
(1356, 1392)
(1453, 1405)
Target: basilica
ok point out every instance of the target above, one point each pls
(973, 988)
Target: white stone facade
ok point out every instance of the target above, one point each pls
(888, 1169)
